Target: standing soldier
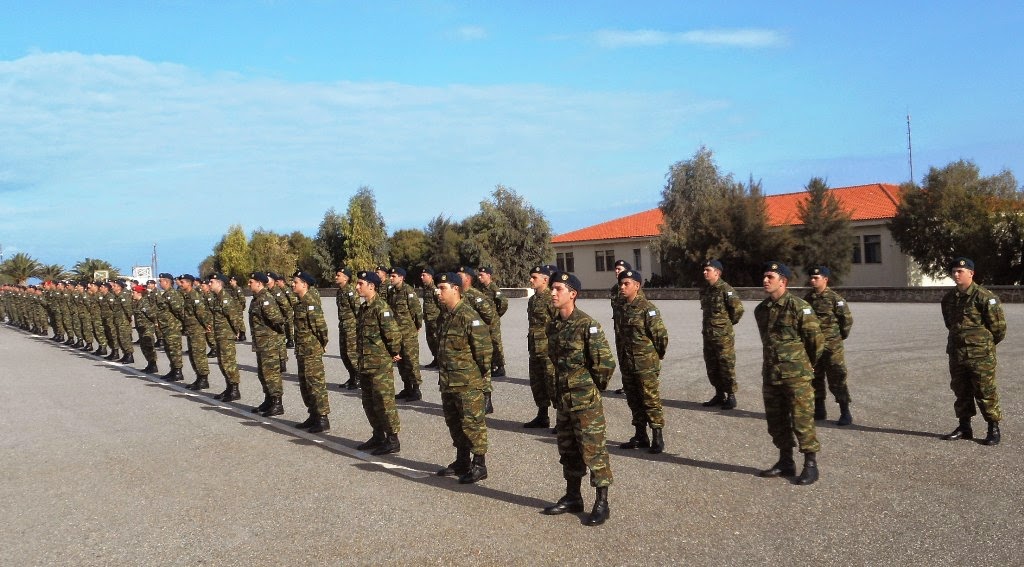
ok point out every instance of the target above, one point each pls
(152, 291)
(721, 308)
(792, 342)
(227, 323)
(207, 295)
(310, 346)
(85, 316)
(267, 324)
(378, 344)
(289, 327)
(238, 294)
(196, 319)
(836, 320)
(488, 313)
(615, 295)
(463, 358)
(539, 312)
(94, 314)
(348, 309)
(431, 312)
(583, 364)
(409, 315)
(285, 305)
(644, 340)
(144, 309)
(122, 319)
(170, 307)
(489, 288)
(107, 317)
(974, 317)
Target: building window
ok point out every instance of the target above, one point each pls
(565, 262)
(856, 250)
(604, 260)
(599, 260)
(636, 260)
(872, 249)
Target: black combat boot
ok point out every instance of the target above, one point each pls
(459, 466)
(403, 394)
(541, 421)
(159, 343)
(174, 375)
(263, 406)
(963, 431)
(433, 364)
(88, 347)
(321, 424)
(375, 440)
(718, 400)
(241, 337)
(845, 417)
(79, 344)
(785, 466)
(601, 512)
(309, 421)
(284, 367)
(276, 407)
(488, 406)
(820, 412)
(57, 339)
(114, 355)
(571, 502)
(352, 384)
(414, 394)
(70, 341)
(201, 383)
(638, 440)
(230, 394)
(810, 473)
(128, 358)
(289, 344)
(657, 442)
(477, 471)
(993, 436)
(150, 368)
(389, 446)
(212, 353)
(498, 372)
(730, 401)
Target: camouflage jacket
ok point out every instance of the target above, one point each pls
(643, 336)
(284, 303)
(975, 321)
(790, 337)
(406, 307)
(266, 322)
(170, 305)
(493, 292)
(482, 305)
(310, 326)
(539, 313)
(123, 307)
(721, 307)
(196, 310)
(92, 306)
(348, 308)
(145, 314)
(106, 304)
(833, 315)
(463, 349)
(378, 338)
(238, 294)
(227, 319)
(617, 302)
(431, 303)
(582, 359)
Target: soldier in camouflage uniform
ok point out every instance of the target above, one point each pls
(431, 313)
(289, 327)
(310, 346)
(539, 312)
(170, 306)
(487, 286)
(722, 308)
(123, 310)
(974, 317)
(792, 342)
(405, 307)
(488, 313)
(196, 319)
(144, 310)
(152, 291)
(836, 321)
(615, 296)
(207, 295)
(644, 340)
(227, 324)
(583, 365)
(266, 321)
(106, 321)
(84, 318)
(238, 294)
(78, 310)
(347, 301)
(285, 305)
(94, 319)
(463, 358)
(378, 345)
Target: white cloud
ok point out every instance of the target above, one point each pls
(471, 33)
(745, 38)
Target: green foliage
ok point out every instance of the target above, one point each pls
(366, 238)
(304, 249)
(824, 237)
(86, 269)
(508, 234)
(443, 242)
(20, 268)
(208, 266)
(957, 212)
(271, 252)
(710, 215)
(232, 256)
(329, 245)
(409, 248)
(52, 272)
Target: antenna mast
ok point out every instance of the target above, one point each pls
(910, 150)
(152, 260)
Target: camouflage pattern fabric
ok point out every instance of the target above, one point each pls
(95, 318)
(227, 323)
(539, 313)
(644, 340)
(267, 324)
(170, 305)
(405, 307)
(123, 310)
(197, 318)
(488, 313)
(464, 357)
(144, 311)
(976, 325)
(287, 312)
(431, 312)
(310, 343)
(835, 320)
(493, 292)
(378, 340)
(348, 308)
(721, 308)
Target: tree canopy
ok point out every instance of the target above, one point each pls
(409, 248)
(329, 245)
(232, 255)
(88, 267)
(20, 267)
(364, 231)
(271, 252)
(823, 238)
(508, 234)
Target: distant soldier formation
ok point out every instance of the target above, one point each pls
(380, 317)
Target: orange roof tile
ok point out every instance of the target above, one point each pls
(864, 202)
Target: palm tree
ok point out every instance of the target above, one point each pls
(88, 267)
(20, 267)
(52, 272)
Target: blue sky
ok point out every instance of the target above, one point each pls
(128, 123)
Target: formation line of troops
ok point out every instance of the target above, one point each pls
(570, 360)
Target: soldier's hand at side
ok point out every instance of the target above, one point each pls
(397, 358)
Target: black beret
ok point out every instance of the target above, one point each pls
(260, 277)
(631, 275)
(450, 278)
(962, 262)
(541, 270)
(567, 279)
(369, 277)
(468, 271)
(779, 268)
(821, 271)
(166, 276)
(397, 271)
(187, 277)
(485, 270)
(623, 263)
(309, 279)
(150, 282)
(427, 270)
(712, 263)
(346, 271)
(274, 276)
(218, 277)
(381, 268)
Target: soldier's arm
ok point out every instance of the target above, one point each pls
(500, 302)
(845, 317)
(657, 331)
(734, 305)
(415, 308)
(480, 344)
(810, 332)
(390, 332)
(600, 361)
(994, 319)
(274, 315)
(320, 326)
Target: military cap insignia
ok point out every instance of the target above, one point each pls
(963, 262)
(775, 266)
(565, 277)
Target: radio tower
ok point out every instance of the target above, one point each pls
(152, 261)
(910, 150)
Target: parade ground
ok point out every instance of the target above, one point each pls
(104, 465)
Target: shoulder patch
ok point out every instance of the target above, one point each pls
(386, 314)
(476, 322)
(225, 301)
(497, 293)
(266, 303)
(728, 293)
(311, 307)
(478, 300)
(840, 303)
(412, 295)
(652, 312)
(992, 301)
(593, 330)
(807, 310)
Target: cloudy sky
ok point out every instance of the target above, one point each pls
(124, 124)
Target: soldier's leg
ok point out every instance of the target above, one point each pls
(124, 332)
(431, 335)
(260, 365)
(983, 379)
(411, 354)
(727, 363)
(197, 352)
(591, 439)
(963, 390)
(711, 363)
(100, 334)
(227, 359)
(498, 356)
(569, 454)
(650, 386)
(304, 390)
(367, 395)
(802, 399)
(473, 422)
(778, 414)
(384, 401)
(172, 346)
(634, 398)
(272, 373)
(541, 385)
(147, 343)
(820, 378)
(316, 382)
(836, 373)
(451, 407)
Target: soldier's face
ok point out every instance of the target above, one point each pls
(185, 285)
(619, 270)
(538, 281)
(365, 289)
(340, 278)
(962, 277)
(396, 279)
(165, 284)
(255, 286)
(773, 284)
(711, 275)
(300, 286)
(629, 288)
(485, 278)
(426, 278)
(216, 286)
(819, 283)
(449, 294)
(562, 295)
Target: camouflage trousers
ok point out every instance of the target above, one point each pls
(113, 341)
(197, 350)
(77, 327)
(69, 323)
(346, 347)
(86, 333)
(313, 383)
(831, 369)
(581, 441)
(432, 338)
(409, 366)
(172, 346)
(720, 361)
(789, 410)
(498, 356)
(98, 332)
(542, 380)
(147, 344)
(378, 393)
(227, 360)
(464, 416)
(124, 335)
(56, 322)
(268, 370)
(643, 398)
(974, 381)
